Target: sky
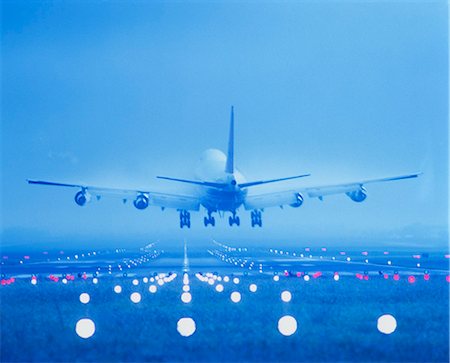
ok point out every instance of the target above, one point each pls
(113, 93)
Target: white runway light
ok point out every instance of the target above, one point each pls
(85, 328)
(135, 297)
(306, 277)
(386, 324)
(117, 289)
(276, 278)
(85, 298)
(135, 282)
(186, 297)
(219, 288)
(235, 296)
(95, 280)
(186, 327)
(286, 296)
(152, 289)
(253, 288)
(186, 288)
(236, 280)
(287, 325)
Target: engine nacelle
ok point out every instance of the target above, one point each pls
(82, 197)
(358, 195)
(141, 201)
(298, 202)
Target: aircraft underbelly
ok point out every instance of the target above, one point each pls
(222, 200)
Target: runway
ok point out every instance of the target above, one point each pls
(225, 303)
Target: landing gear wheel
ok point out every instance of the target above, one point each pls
(213, 221)
(230, 221)
(205, 222)
(237, 221)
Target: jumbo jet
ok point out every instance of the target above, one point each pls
(221, 188)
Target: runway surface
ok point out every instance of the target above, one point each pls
(225, 303)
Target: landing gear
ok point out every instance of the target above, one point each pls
(209, 220)
(234, 220)
(185, 219)
(256, 216)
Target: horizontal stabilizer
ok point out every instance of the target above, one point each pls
(260, 182)
(203, 183)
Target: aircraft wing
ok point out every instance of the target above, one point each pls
(154, 198)
(355, 190)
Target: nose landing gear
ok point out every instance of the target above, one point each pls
(256, 216)
(185, 219)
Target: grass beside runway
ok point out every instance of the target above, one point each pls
(337, 321)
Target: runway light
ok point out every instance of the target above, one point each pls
(135, 282)
(152, 289)
(33, 281)
(186, 297)
(287, 325)
(386, 324)
(117, 289)
(286, 296)
(276, 278)
(236, 280)
(226, 279)
(160, 282)
(336, 276)
(219, 288)
(411, 279)
(348, 259)
(186, 288)
(85, 328)
(85, 298)
(317, 274)
(135, 297)
(253, 288)
(389, 262)
(211, 281)
(235, 296)
(64, 281)
(386, 276)
(396, 277)
(359, 276)
(306, 277)
(95, 280)
(186, 327)
(447, 278)
(145, 280)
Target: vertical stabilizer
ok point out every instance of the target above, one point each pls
(229, 167)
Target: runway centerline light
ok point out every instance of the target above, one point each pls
(287, 325)
(186, 297)
(152, 289)
(253, 287)
(236, 280)
(135, 297)
(117, 289)
(306, 277)
(135, 282)
(286, 296)
(186, 327)
(219, 287)
(276, 278)
(85, 328)
(85, 298)
(386, 324)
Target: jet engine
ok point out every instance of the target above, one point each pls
(141, 201)
(82, 197)
(358, 195)
(298, 201)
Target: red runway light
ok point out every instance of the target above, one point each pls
(447, 256)
(411, 279)
(385, 253)
(342, 253)
(3, 282)
(299, 274)
(324, 249)
(364, 253)
(26, 257)
(447, 278)
(386, 276)
(359, 276)
(426, 277)
(396, 277)
(317, 274)
(366, 277)
(307, 249)
(417, 256)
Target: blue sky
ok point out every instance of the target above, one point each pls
(115, 93)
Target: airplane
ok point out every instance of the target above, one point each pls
(221, 188)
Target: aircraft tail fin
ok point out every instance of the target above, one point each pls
(229, 167)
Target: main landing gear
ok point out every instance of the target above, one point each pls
(209, 220)
(185, 219)
(256, 218)
(234, 220)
